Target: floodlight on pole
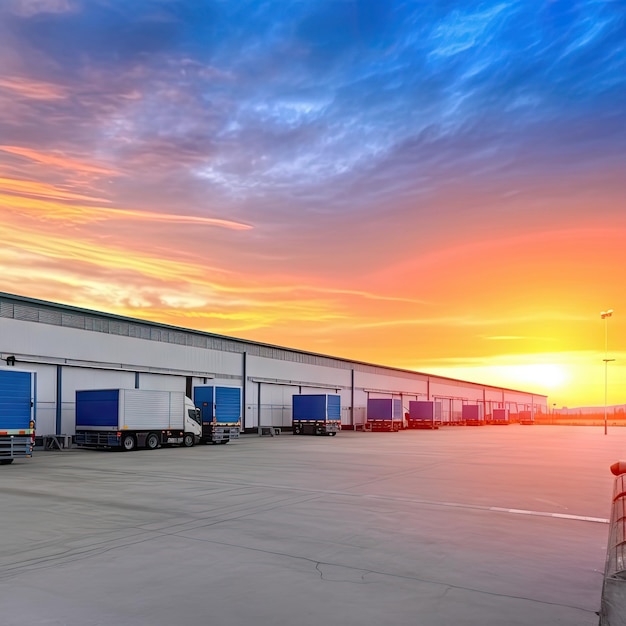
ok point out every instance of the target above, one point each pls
(605, 316)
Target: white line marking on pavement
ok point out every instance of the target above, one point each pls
(481, 507)
(579, 518)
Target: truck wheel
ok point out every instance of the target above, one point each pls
(6, 461)
(297, 430)
(152, 441)
(188, 440)
(128, 443)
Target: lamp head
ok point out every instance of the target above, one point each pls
(606, 313)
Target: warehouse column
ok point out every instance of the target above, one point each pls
(244, 386)
(258, 410)
(59, 413)
(352, 401)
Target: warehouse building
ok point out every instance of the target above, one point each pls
(73, 348)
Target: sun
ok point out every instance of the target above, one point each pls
(541, 377)
(544, 375)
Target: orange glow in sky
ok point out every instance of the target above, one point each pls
(443, 208)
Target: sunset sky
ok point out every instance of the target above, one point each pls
(437, 186)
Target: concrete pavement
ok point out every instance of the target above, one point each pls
(466, 526)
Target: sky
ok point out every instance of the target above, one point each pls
(437, 186)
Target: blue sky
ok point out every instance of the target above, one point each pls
(267, 102)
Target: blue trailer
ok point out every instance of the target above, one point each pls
(424, 414)
(220, 410)
(316, 414)
(384, 414)
(18, 390)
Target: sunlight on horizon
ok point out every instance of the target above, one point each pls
(571, 380)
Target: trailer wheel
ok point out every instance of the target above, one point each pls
(128, 443)
(188, 440)
(6, 461)
(297, 430)
(152, 441)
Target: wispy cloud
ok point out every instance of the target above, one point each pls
(19, 86)
(30, 8)
(60, 161)
(73, 213)
(42, 190)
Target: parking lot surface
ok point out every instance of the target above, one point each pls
(491, 525)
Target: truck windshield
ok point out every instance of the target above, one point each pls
(194, 414)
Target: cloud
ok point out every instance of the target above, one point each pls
(30, 8)
(259, 115)
(55, 210)
(41, 190)
(20, 86)
(60, 161)
(180, 219)
(460, 31)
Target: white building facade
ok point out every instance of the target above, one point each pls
(72, 349)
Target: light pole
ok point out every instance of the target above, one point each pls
(605, 316)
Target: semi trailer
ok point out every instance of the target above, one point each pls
(385, 414)
(473, 415)
(500, 416)
(18, 390)
(424, 414)
(133, 418)
(526, 417)
(220, 412)
(316, 414)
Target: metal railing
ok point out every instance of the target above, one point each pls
(613, 602)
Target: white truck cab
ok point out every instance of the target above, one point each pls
(193, 421)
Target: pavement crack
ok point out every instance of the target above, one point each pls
(342, 573)
(365, 572)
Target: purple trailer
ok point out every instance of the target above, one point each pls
(424, 414)
(500, 416)
(384, 414)
(472, 415)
